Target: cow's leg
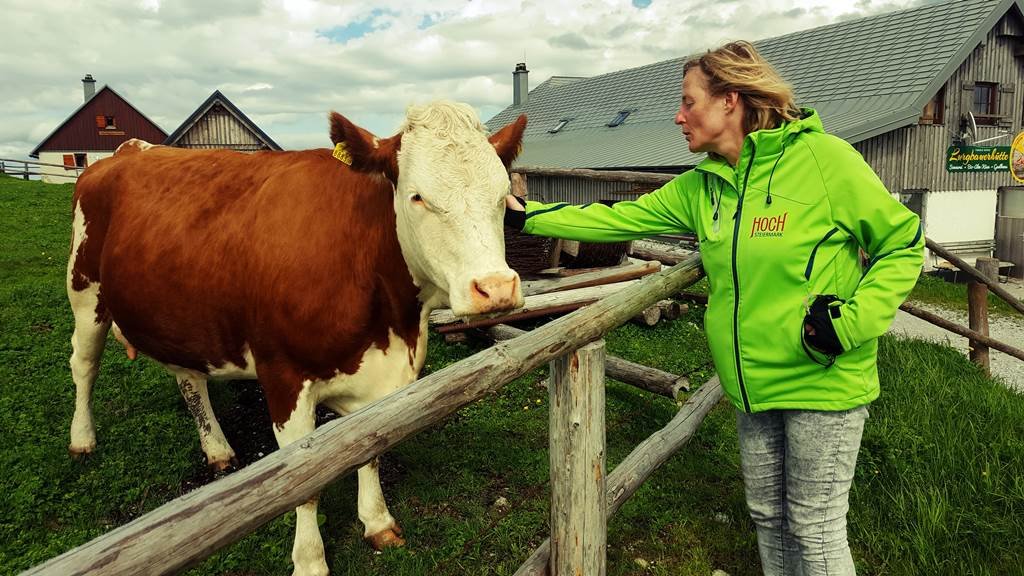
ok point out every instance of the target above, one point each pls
(219, 455)
(380, 528)
(308, 550)
(87, 341)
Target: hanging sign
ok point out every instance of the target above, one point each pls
(978, 159)
(1017, 158)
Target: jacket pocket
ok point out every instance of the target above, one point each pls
(814, 252)
(824, 346)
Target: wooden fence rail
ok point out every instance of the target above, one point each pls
(962, 331)
(993, 284)
(651, 178)
(644, 377)
(24, 169)
(183, 532)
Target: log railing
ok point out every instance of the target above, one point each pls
(27, 168)
(984, 277)
(182, 532)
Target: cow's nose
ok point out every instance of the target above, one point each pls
(495, 292)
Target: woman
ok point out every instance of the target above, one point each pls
(781, 210)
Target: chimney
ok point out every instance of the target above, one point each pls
(520, 85)
(88, 86)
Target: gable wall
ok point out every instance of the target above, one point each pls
(81, 134)
(219, 129)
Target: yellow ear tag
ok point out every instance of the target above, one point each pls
(342, 154)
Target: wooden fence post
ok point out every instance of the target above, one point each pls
(977, 310)
(578, 502)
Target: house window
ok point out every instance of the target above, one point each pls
(75, 161)
(104, 122)
(561, 124)
(986, 102)
(619, 119)
(935, 108)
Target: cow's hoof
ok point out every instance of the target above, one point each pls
(390, 538)
(80, 452)
(223, 466)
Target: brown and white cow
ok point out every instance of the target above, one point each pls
(314, 274)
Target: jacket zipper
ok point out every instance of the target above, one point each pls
(736, 280)
(810, 262)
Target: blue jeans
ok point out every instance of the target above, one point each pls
(797, 468)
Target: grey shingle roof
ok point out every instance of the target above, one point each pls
(865, 77)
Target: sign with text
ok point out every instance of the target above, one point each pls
(1017, 160)
(978, 159)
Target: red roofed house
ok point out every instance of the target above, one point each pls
(92, 132)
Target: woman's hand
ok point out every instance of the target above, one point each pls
(515, 212)
(516, 203)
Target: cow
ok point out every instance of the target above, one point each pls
(313, 271)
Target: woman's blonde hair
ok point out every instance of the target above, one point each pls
(738, 67)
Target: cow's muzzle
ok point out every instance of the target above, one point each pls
(494, 292)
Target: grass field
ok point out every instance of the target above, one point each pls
(939, 487)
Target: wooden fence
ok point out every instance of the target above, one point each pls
(182, 532)
(28, 168)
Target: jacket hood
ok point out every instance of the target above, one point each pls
(767, 142)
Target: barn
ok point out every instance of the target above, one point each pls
(909, 89)
(93, 131)
(218, 123)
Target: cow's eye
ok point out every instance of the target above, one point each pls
(417, 198)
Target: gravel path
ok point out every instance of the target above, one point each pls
(1008, 330)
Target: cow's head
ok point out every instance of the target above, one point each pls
(450, 182)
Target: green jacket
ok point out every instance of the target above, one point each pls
(784, 226)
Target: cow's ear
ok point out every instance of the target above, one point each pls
(367, 152)
(507, 141)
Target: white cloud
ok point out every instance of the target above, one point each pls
(274, 61)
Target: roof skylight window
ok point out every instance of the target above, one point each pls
(619, 119)
(561, 124)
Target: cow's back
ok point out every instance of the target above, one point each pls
(203, 256)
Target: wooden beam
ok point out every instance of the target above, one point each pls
(577, 452)
(541, 301)
(961, 330)
(649, 317)
(644, 377)
(182, 532)
(642, 462)
(594, 278)
(663, 253)
(513, 317)
(599, 175)
(993, 285)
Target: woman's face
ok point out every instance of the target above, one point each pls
(703, 117)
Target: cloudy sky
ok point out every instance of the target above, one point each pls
(286, 63)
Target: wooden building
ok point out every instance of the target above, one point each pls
(93, 131)
(906, 88)
(218, 123)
